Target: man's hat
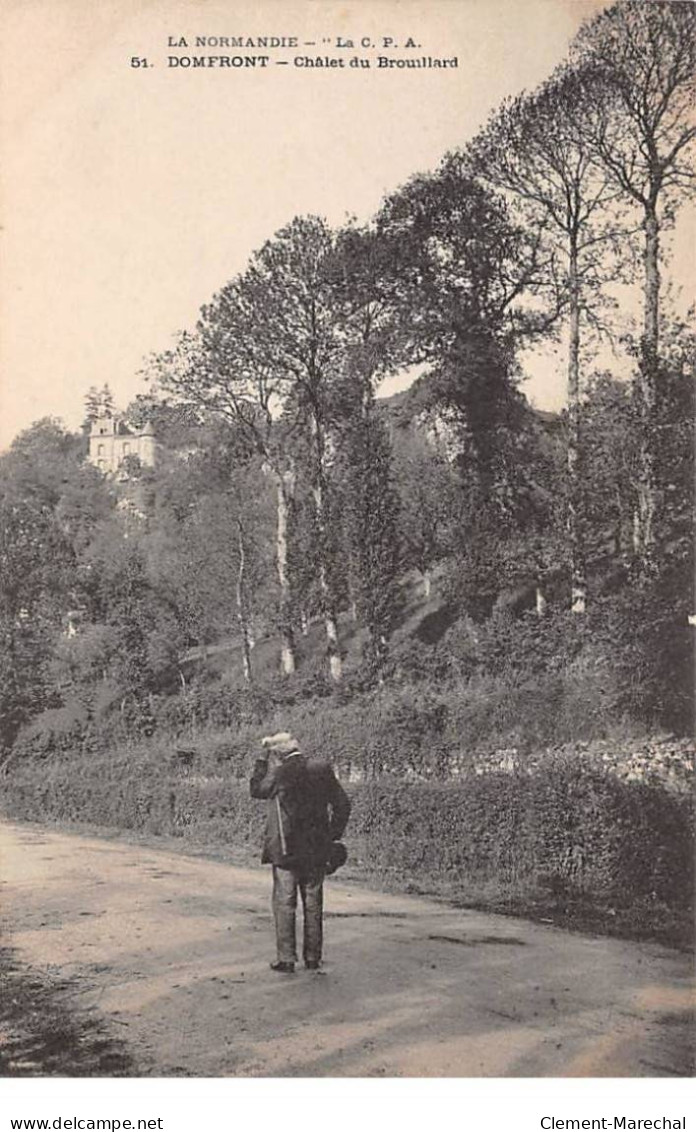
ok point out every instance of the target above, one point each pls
(282, 743)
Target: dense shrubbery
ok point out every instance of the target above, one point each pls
(499, 765)
(569, 827)
(217, 704)
(521, 789)
(52, 731)
(559, 832)
(420, 727)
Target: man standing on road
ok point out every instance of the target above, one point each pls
(307, 811)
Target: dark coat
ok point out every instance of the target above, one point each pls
(307, 810)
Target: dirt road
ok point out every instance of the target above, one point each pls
(172, 952)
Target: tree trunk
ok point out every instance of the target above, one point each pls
(619, 523)
(242, 616)
(284, 486)
(319, 492)
(332, 646)
(540, 602)
(635, 532)
(645, 391)
(427, 584)
(578, 599)
(651, 261)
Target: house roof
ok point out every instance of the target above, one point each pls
(123, 429)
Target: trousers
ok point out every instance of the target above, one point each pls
(286, 884)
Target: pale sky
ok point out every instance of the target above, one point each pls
(129, 196)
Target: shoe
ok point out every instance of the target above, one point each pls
(312, 964)
(283, 968)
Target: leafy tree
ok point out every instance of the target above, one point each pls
(270, 353)
(302, 541)
(608, 426)
(212, 532)
(370, 518)
(458, 264)
(297, 321)
(51, 502)
(374, 344)
(119, 592)
(676, 412)
(215, 373)
(92, 406)
(41, 462)
(176, 426)
(460, 268)
(36, 564)
(512, 555)
(106, 398)
(429, 502)
(98, 403)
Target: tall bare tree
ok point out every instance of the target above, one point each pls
(534, 150)
(637, 62)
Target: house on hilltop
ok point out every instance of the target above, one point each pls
(112, 441)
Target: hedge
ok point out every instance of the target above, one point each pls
(568, 827)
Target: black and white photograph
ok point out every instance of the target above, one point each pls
(347, 601)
